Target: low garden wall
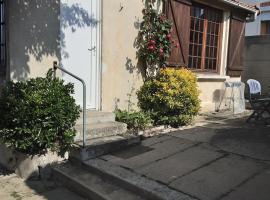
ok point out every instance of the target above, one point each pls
(257, 60)
(29, 166)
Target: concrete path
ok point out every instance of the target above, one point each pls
(220, 158)
(15, 188)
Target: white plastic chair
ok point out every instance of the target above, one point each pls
(254, 87)
(259, 104)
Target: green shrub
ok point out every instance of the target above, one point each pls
(37, 115)
(134, 120)
(171, 97)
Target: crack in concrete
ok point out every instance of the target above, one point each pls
(243, 182)
(182, 150)
(198, 168)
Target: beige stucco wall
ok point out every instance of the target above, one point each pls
(211, 92)
(33, 37)
(120, 74)
(34, 40)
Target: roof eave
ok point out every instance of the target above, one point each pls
(239, 5)
(254, 11)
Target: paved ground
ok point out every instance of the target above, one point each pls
(15, 188)
(221, 158)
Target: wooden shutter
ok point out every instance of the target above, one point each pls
(178, 11)
(235, 64)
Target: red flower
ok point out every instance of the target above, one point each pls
(177, 45)
(162, 18)
(152, 42)
(161, 52)
(151, 47)
(169, 36)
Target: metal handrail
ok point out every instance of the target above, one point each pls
(55, 67)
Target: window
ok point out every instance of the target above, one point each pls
(205, 35)
(265, 27)
(265, 4)
(2, 37)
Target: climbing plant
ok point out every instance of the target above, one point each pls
(154, 41)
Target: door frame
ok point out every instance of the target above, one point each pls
(99, 71)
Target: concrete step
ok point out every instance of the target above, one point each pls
(100, 130)
(95, 117)
(90, 185)
(132, 181)
(100, 146)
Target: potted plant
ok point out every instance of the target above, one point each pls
(36, 123)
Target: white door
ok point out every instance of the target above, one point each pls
(80, 47)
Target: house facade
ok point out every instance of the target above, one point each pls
(94, 39)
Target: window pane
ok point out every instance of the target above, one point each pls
(199, 63)
(200, 38)
(192, 24)
(200, 50)
(197, 24)
(217, 29)
(215, 64)
(195, 62)
(201, 25)
(190, 61)
(191, 36)
(215, 52)
(216, 41)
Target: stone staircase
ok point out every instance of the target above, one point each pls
(96, 179)
(99, 124)
(90, 185)
(103, 135)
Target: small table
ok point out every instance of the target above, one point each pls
(238, 88)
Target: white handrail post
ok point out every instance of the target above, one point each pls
(55, 67)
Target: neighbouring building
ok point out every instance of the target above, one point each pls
(95, 40)
(261, 26)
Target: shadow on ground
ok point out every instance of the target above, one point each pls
(221, 157)
(14, 188)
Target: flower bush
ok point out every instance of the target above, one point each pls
(154, 41)
(171, 97)
(38, 115)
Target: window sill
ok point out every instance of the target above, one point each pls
(211, 77)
